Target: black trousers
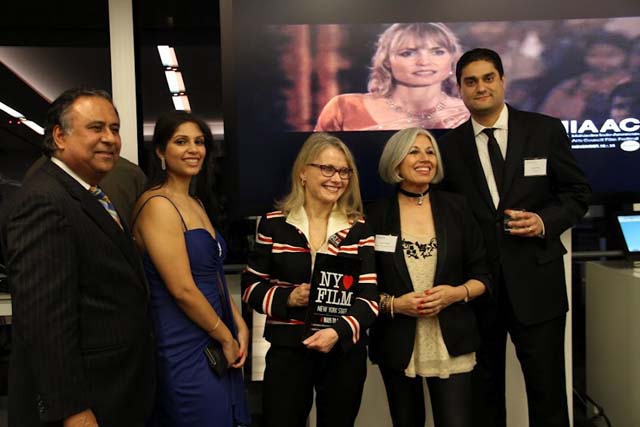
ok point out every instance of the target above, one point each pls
(540, 351)
(450, 399)
(291, 375)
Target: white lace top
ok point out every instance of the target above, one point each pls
(430, 357)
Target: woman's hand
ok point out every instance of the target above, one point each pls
(231, 350)
(323, 340)
(440, 297)
(300, 296)
(243, 342)
(410, 304)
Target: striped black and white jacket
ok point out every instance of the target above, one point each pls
(282, 260)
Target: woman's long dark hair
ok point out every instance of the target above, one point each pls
(204, 185)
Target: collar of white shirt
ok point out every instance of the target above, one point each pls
(68, 170)
(502, 123)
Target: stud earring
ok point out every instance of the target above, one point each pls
(163, 164)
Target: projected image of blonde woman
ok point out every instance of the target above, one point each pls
(410, 84)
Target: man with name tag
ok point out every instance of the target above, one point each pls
(525, 189)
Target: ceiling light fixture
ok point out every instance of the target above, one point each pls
(10, 111)
(175, 82)
(22, 119)
(174, 78)
(167, 56)
(181, 102)
(33, 126)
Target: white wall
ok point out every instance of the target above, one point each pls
(123, 74)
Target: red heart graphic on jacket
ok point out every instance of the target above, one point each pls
(347, 281)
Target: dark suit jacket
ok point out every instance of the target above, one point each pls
(461, 256)
(532, 268)
(81, 331)
(123, 184)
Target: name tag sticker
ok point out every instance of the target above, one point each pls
(535, 167)
(386, 243)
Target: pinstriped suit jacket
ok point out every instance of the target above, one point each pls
(82, 337)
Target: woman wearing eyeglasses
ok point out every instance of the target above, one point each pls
(321, 214)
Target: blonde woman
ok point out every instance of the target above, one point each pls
(321, 214)
(411, 84)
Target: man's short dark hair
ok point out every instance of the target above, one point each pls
(57, 113)
(478, 54)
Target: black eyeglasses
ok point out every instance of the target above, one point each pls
(329, 171)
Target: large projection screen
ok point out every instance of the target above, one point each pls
(292, 67)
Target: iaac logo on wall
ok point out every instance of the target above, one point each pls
(630, 145)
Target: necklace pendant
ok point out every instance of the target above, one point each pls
(419, 197)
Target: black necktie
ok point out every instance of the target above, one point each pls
(497, 161)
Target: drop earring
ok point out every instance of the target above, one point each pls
(163, 164)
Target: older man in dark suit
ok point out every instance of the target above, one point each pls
(516, 165)
(82, 338)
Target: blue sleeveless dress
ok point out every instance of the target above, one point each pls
(189, 393)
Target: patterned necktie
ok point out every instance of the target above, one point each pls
(497, 161)
(106, 203)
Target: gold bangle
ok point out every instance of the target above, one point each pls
(466, 288)
(393, 297)
(215, 326)
(384, 303)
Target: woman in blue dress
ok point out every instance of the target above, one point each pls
(183, 257)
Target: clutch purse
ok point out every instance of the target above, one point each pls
(217, 360)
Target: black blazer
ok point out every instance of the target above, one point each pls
(532, 268)
(461, 256)
(82, 337)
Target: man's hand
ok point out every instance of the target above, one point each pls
(524, 224)
(81, 419)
